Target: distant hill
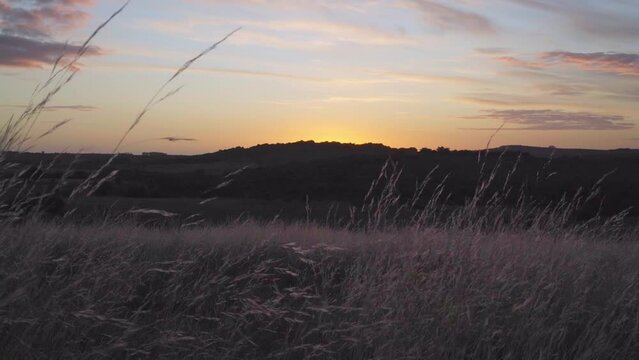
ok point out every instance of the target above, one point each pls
(559, 152)
(296, 152)
(304, 151)
(300, 151)
(337, 172)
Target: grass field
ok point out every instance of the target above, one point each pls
(292, 291)
(216, 211)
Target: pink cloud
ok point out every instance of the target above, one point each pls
(454, 19)
(26, 30)
(42, 18)
(492, 51)
(607, 62)
(557, 120)
(562, 89)
(590, 18)
(603, 62)
(513, 61)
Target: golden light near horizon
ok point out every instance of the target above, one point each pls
(407, 73)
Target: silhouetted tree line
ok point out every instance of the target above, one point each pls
(348, 179)
(344, 172)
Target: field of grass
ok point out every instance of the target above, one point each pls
(292, 291)
(217, 211)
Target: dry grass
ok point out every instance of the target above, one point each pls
(300, 291)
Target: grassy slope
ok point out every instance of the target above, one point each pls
(295, 291)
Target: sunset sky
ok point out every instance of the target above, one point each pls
(406, 73)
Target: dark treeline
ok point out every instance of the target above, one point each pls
(344, 172)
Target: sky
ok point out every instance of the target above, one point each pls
(405, 73)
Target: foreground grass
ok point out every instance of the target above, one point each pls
(297, 291)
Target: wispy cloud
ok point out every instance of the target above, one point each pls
(292, 33)
(176, 139)
(16, 51)
(589, 18)
(562, 89)
(424, 77)
(492, 51)
(210, 70)
(508, 57)
(450, 18)
(26, 30)
(332, 101)
(540, 100)
(364, 99)
(541, 4)
(513, 61)
(40, 18)
(364, 77)
(626, 64)
(555, 120)
(256, 38)
(55, 107)
(335, 30)
(343, 100)
(623, 95)
(357, 6)
(532, 75)
(607, 62)
(510, 100)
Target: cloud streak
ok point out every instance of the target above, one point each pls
(55, 107)
(606, 62)
(589, 18)
(368, 77)
(492, 51)
(426, 78)
(562, 89)
(16, 51)
(513, 61)
(624, 64)
(41, 18)
(555, 120)
(511, 100)
(453, 19)
(301, 34)
(369, 99)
